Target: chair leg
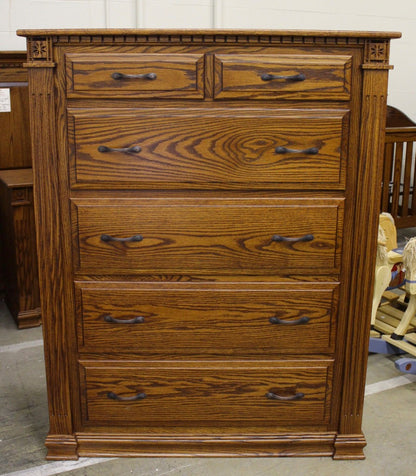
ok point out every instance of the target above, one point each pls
(410, 312)
(381, 281)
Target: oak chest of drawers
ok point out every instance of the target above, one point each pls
(206, 206)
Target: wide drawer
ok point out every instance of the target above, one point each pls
(282, 76)
(275, 393)
(169, 319)
(208, 149)
(236, 237)
(135, 75)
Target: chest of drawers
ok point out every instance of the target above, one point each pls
(206, 206)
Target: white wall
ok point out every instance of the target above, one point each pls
(275, 14)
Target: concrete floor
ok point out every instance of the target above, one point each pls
(389, 425)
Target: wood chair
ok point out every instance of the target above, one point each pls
(399, 170)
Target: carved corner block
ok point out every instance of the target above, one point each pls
(39, 52)
(376, 54)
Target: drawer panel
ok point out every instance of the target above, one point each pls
(214, 394)
(282, 76)
(179, 149)
(203, 319)
(135, 75)
(243, 236)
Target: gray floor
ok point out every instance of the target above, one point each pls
(389, 426)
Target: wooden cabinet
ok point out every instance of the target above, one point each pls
(207, 207)
(18, 266)
(18, 246)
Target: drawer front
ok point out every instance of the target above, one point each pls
(135, 75)
(215, 394)
(179, 149)
(203, 319)
(282, 76)
(237, 237)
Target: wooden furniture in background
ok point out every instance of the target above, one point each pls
(15, 149)
(399, 173)
(205, 271)
(19, 247)
(18, 266)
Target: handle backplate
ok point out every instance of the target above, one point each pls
(118, 76)
(275, 396)
(134, 320)
(297, 322)
(114, 396)
(293, 77)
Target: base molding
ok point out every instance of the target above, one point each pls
(30, 318)
(349, 447)
(61, 447)
(340, 447)
(209, 445)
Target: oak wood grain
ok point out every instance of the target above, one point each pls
(203, 320)
(240, 76)
(214, 149)
(222, 237)
(211, 393)
(207, 218)
(175, 75)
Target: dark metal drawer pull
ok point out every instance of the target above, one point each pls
(302, 320)
(114, 396)
(279, 238)
(135, 320)
(285, 150)
(294, 77)
(126, 150)
(134, 76)
(108, 238)
(274, 396)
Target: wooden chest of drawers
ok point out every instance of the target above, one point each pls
(206, 207)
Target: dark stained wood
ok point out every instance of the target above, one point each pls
(19, 257)
(398, 197)
(190, 149)
(206, 276)
(396, 118)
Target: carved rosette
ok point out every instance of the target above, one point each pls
(376, 54)
(39, 51)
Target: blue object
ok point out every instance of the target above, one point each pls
(380, 346)
(405, 364)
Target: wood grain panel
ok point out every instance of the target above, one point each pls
(202, 319)
(177, 75)
(216, 149)
(210, 393)
(208, 236)
(15, 149)
(240, 76)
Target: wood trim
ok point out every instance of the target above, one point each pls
(373, 116)
(299, 444)
(50, 246)
(89, 32)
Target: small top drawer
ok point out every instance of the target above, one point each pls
(135, 75)
(282, 76)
